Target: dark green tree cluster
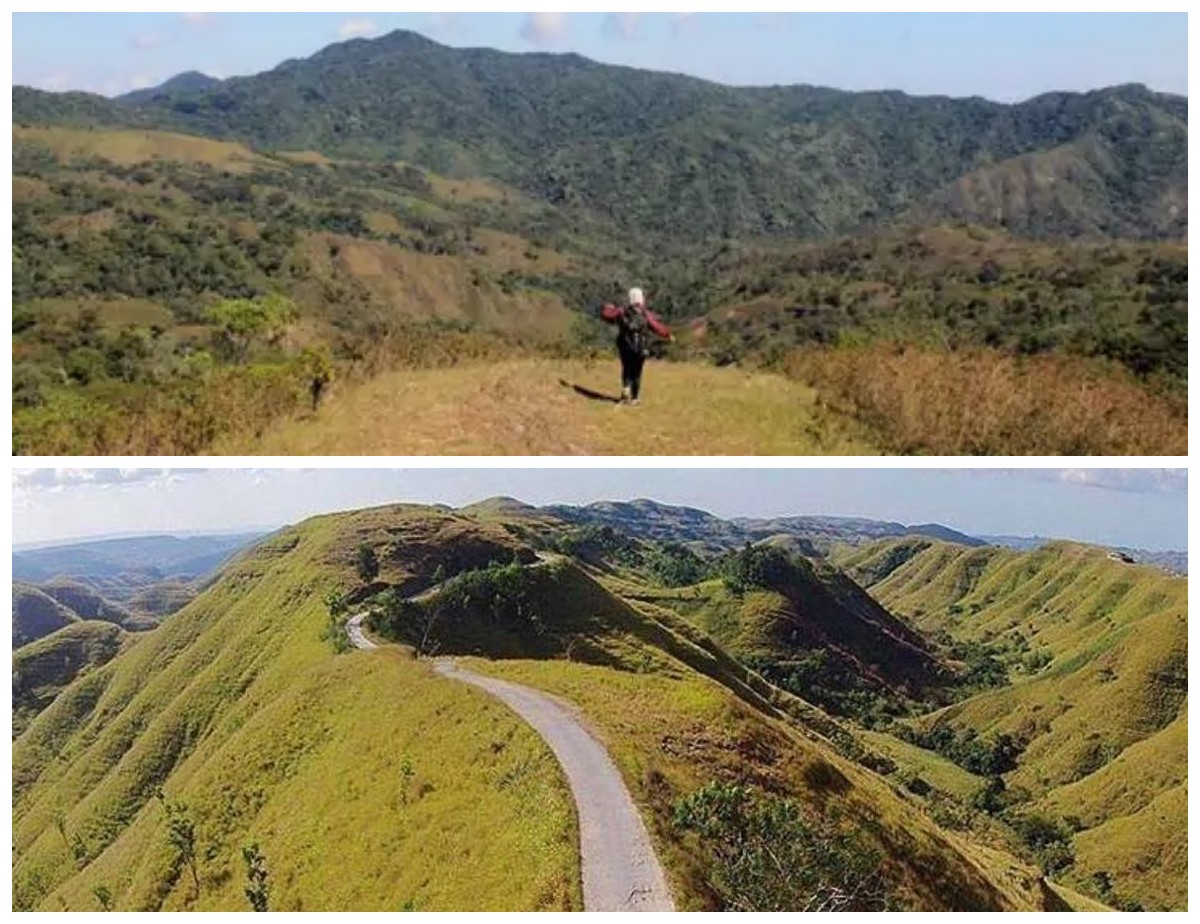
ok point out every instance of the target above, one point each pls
(965, 747)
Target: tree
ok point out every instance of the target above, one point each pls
(257, 890)
(367, 563)
(241, 321)
(181, 836)
(767, 854)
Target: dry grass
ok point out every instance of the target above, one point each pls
(988, 403)
(532, 407)
(132, 147)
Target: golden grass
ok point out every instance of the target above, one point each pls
(239, 708)
(110, 312)
(934, 769)
(470, 189)
(128, 148)
(523, 407)
(1104, 719)
(671, 731)
(1145, 854)
(421, 286)
(305, 157)
(989, 403)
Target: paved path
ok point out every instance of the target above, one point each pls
(620, 869)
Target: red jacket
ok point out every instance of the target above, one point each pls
(612, 314)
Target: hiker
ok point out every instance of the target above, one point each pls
(634, 323)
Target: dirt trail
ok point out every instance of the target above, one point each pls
(565, 407)
(620, 869)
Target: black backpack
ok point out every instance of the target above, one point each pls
(635, 331)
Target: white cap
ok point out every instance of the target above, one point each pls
(637, 297)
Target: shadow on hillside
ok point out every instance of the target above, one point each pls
(589, 393)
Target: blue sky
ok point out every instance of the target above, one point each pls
(1139, 508)
(1003, 56)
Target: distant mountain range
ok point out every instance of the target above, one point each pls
(653, 153)
(108, 560)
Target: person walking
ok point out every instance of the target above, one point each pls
(635, 322)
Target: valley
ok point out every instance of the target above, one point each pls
(962, 726)
(202, 267)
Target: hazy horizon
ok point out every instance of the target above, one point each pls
(1006, 57)
(1127, 507)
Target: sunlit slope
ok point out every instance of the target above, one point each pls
(369, 783)
(238, 707)
(1097, 651)
(43, 668)
(546, 407)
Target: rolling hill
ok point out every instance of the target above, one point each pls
(35, 614)
(43, 668)
(1096, 652)
(388, 209)
(800, 161)
(110, 561)
(241, 711)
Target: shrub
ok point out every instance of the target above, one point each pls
(766, 853)
(988, 403)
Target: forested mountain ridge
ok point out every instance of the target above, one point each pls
(662, 152)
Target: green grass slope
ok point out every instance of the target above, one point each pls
(43, 668)
(84, 600)
(1096, 651)
(809, 629)
(368, 782)
(677, 711)
(35, 614)
(238, 707)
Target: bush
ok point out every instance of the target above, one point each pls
(987, 403)
(675, 565)
(766, 853)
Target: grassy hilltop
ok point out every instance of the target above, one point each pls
(696, 669)
(1096, 652)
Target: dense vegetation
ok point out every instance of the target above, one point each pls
(418, 205)
(662, 152)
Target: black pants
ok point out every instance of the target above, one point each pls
(631, 371)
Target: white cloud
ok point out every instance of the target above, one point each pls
(199, 20)
(622, 26)
(147, 41)
(1126, 480)
(56, 479)
(356, 28)
(544, 28)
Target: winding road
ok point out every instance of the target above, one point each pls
(619, 867)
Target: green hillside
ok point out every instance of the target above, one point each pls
(1095, 654)
(35, 614)
(627, 145)
(196, 265)
(240, 709)
(84, 600)
(42, 669)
